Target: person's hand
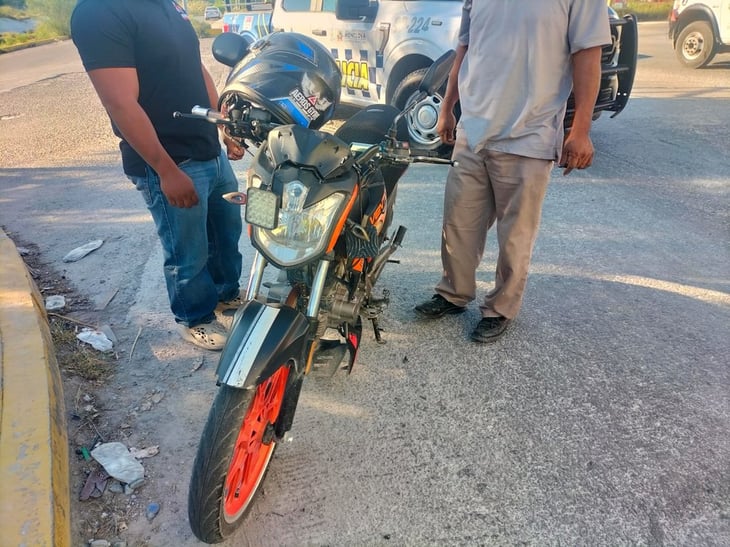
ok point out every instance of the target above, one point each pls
(446, 126)
(179, 189)
(577, 152)
(234, 150)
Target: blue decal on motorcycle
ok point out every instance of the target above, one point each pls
(301, 118)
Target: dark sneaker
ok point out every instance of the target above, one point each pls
(490, 329)
(438, 306)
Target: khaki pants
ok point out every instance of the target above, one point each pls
(484, 187)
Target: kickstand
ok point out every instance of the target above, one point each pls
(377, 331)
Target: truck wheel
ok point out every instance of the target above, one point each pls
(695, 45)
(422, 119)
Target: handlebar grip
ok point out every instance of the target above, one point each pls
(206, 112)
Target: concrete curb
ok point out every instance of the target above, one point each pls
(26, 45)
(34, 473)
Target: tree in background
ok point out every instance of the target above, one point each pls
(17, 4)
(55, 13)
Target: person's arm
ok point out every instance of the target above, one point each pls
(118, 89)
(210, 87)
(447, 119)
(234, 150)
(578, 148)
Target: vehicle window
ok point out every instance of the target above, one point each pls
(295, 5)
(329, 5)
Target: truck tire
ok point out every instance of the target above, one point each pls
(695, 45)
(422, 120)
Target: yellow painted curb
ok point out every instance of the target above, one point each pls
(34, 482)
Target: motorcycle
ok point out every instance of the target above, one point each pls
(319, 208)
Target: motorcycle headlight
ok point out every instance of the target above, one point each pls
(300, 233)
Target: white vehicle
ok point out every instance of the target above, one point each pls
(699, 29)
(384, 47)
(211, 13)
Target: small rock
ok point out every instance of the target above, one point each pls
(148, 452)
(99, 543)
(152, 510)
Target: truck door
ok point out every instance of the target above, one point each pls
(356, 44)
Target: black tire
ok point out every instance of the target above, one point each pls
(696, 45)
(422, 120)
(221, 451)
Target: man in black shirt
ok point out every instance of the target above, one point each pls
(143, 58)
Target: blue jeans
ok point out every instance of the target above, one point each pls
(200, 244)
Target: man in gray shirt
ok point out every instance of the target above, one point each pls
(515, 66)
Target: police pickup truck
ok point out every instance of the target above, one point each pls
(384, 47)
(699, 29)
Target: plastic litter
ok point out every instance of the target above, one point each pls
(107, 330)
(97, 339)
(119, 463)
(55, 302)
(80, 252)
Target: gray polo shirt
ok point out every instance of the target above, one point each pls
(517, 74)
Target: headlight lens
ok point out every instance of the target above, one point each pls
(300, 233)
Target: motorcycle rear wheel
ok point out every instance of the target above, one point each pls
(233, 456)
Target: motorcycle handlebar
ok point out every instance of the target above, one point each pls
(368, 151)
(397, 155)
(253, 114)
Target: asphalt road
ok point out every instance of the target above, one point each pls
(602, 418)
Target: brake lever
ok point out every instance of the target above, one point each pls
(427, 159)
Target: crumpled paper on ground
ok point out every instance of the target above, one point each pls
(118, 461)
(97, 339)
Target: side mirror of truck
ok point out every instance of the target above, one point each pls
(356, 10)
(437, 73)
(229, 48)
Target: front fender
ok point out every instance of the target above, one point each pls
(263, 338)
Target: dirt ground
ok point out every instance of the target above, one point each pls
(86, 372)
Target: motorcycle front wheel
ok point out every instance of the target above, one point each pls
(233, 456)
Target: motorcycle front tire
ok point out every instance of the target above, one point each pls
(233, 456)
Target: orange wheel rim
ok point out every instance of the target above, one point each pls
(250, 454)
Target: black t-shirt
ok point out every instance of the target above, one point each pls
(156, 38)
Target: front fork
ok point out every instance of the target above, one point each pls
(296, 377)
(256, 276)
